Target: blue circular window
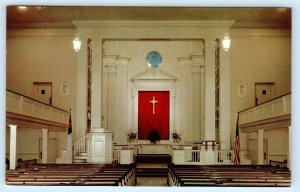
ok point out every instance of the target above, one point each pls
(154, 59)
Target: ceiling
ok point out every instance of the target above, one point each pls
(244, 17)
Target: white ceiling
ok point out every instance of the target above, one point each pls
(244, 17)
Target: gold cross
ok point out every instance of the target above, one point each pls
(153, 101)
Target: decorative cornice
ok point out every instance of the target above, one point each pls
(186, 23)
(41, 25)
(24, 121)
(153, 75)
(283, 121)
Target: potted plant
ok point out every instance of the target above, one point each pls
(131, 135)
(154, 136)
(176, 136)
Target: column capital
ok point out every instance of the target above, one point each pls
(123, 58)
(96, 44)
(110, 59)
(12, 126)
(260, 131)
(183, 58)
(210, 40)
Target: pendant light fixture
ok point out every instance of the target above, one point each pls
(226, 42)
(76, 41)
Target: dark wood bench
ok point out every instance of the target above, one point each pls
(25, 163)
(72, 175)
(228, 176)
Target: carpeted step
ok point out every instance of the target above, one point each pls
(151, 172)
(153, 158)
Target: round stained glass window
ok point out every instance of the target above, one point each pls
(154, 59)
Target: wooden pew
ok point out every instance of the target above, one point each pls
(228, 176)
(72, 175)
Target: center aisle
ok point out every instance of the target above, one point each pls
(152, 181)
(152, 170)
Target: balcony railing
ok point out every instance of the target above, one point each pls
(25, 106)
(275, 108)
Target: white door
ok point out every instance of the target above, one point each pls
(264, 92)
(43, 92)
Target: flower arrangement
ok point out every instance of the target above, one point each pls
(154, 136)
(131, 135)
(176, 136)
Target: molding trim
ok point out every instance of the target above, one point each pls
(24, 121)
(41, 25)
(283, 121)
(167, 23)
(151, 75)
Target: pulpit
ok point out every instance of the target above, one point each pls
(100, 146)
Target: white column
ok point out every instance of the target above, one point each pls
(122, 99)
(45, 146)
(111, 70)
(96, 115)
(224, 116)
(81, 89)
(209, 108)
(202, 102)
(260, 147)
(197, 62)
(13, 147)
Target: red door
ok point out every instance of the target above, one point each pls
(153, 114)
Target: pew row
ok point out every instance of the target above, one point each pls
(73, 175)
(229, 176)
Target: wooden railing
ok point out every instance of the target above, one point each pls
(275, 108)
(204, 157)
(224, 156)
(116, 156)
(80, 145)
(122, 154)
(22, 105)
(193, 156)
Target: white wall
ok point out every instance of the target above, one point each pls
(187, 86)
(28, 143)
(258, 55)
(277, 140)
(277, 143)
(42, 55)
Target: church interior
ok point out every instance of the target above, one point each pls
(121, 96)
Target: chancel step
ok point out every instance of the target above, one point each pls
(153, 158)
(151, 172)
(80, 158)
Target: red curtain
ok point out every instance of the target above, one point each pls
(160, 120)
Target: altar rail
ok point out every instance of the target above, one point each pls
(22, 105)
(274, 108)
(204, 157)
(122, 154)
